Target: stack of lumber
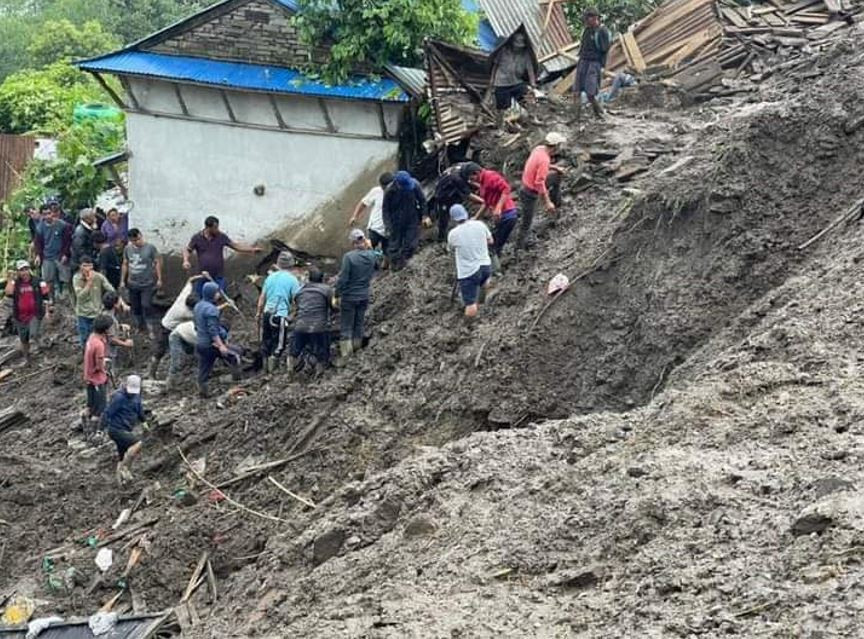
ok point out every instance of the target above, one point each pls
(720, 38)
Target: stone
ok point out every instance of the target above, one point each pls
(577, 579)
(420, 526)
(327, 546)
(812, 522)
(636, 472)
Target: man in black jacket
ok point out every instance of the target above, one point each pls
(592, 58)
(404, 208)
(452, 188)
(352, 288)
(312, 325)
(82, 239)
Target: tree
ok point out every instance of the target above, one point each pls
(61, 40)
(364, 33)
(618, 15)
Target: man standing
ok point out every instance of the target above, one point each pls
(514, 76)
(274, 308)
(82, 239)
(352, 288)
(312, 326)
(110, 260)
(494, 194)
(592, 58)
(452, 188)
(404, 209)
(181, 311)
(470, 242)
(209, 245)
(142, 275)
(374, 203)
(534, 184)
(90, 287)
(52, 249)
(96, 372)
(212, 338)
(123, 413)
(114, 227)
(30, 304)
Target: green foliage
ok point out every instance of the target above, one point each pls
(371, 34)
(618, 15)
(42, 101)
(60, 40)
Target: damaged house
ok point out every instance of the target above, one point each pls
(221, 121)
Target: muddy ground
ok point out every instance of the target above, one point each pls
(671, 449)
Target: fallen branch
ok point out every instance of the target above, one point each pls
(163, 461)
(302, 500)
(258, 470)
(234, 503)
(480, 354)
(211, 579)
(847, 215)
(196, 575)
(110, 539)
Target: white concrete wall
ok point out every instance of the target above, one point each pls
(183, 170)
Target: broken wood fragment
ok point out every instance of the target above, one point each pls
(302, 500)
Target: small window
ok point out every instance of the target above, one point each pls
(261, 17)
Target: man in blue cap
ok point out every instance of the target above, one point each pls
(470, 242)
(212, 338)
(404, 209)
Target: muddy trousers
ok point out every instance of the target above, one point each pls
(317, 344)
(141, 302)
(443, 213)
(353, 318)
(403, 242)
(274, 335)
(178, 349)
(502, 232)
(207, 358)
(528, 199)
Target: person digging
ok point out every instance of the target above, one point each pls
(124, 412)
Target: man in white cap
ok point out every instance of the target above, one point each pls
(274, 308)
(30, 304)
(534, 185)
(123, 413)
(470, 242)
(353, 290)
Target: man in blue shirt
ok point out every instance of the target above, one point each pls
(212, 338)
(274, 308)
(123, 413)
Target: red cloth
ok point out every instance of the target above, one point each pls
(537, 170)
(94, 360)
(26, 302)
(492, 186)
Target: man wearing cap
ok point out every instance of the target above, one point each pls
(353, 290)
(123, 413)
(52, 244)
(212, 338)
(534, 184)
(374, 203)
(592, 58)
(90, 287)
(82, 239)
(30, 305)
(274, 308)
(404, 209)
(209, 245)
(470, 242)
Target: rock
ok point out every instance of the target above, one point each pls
(812, 522)
(828, 485)
(420, 526)
(327, 546)
(636, 472)
(578, 578)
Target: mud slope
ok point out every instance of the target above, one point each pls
(727, 505)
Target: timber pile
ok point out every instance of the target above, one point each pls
(699, 43)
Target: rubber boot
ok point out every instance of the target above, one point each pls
(598, 110)
(270, 364)
(153, 369)
(496, 263)
(203, 391)
(346, 348)
(578, 117)
(357, 345)
(170, 383)
(291, 365)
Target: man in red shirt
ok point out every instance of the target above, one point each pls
(30, 305)
(96, 372)
(495, 197)
(534, 186)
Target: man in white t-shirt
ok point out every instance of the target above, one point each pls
(470, 242)
(374, 203)
(180, 311)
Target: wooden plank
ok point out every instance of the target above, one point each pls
(633, 47)
(692, 46)
(733, 16)
(627, 55)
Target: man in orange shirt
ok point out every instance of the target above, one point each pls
(96, 372)
(534, 184)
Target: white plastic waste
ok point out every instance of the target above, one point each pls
(122, 518)
(558, 283)
(35, 627)
(104, 559)
(102, 623)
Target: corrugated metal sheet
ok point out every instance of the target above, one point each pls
(238, 75)
(412, 80)
(16, 151)
(126, 628)
(486, 36)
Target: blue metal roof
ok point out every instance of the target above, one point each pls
(291, 5)
(239, 75)
(486, 36)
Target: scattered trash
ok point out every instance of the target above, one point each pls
(104, 559)
(197, 467)
(19, 611)
(35, 627)
(215, 496)
(102, 622)
(558, 284)
(122, 518)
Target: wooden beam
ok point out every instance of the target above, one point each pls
(277, 112)
(634, 53)
(127, 87)
(227, 104)
(180, 99)
(119, 182)
(107, 88)
(384, 132)
(330, 126)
